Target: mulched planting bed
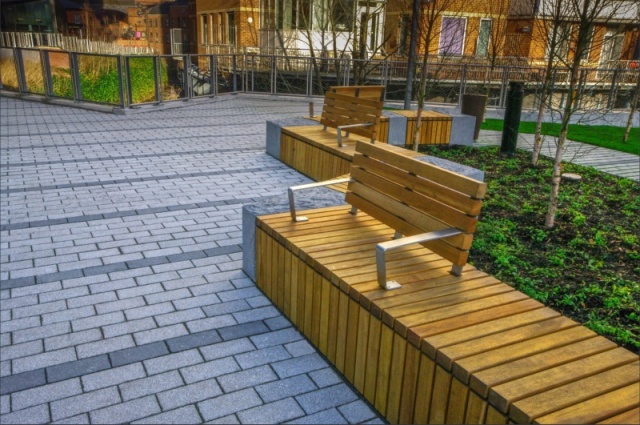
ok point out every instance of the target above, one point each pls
(588, 265)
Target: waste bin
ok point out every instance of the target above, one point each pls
(474, 105)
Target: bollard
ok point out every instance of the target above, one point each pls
(512, 118)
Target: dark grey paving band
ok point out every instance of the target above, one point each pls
(116, 267)
(117, 158)
(47, 375)
(139, 180)
(127, 213)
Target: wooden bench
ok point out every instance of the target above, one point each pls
(435, 128)
(457, 347)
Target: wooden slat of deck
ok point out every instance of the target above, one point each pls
(458, 398)
(426, 377)
(503, 395)
(409, 385)
(629, 417)
(373, 353)
(463, 368)
(589, 400)
(395, 378)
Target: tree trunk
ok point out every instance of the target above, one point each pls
(555, 182)
(537, 141)
(634, 104)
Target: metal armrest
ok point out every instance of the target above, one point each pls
(292, 206)
(383, 247)
(340, 127)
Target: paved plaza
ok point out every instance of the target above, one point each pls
(122, 292)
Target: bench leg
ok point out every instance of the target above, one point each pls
(456, 270)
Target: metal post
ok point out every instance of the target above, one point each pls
(213, 69)
(512, 118)
(235, 69)
(156, 77)
(22, 81)
(128, 75)
(121, 87)
(46, 73)
(309, 76)
(463, 83)
(75, 77)
(273, 74)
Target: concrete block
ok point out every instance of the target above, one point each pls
(397, 128)
(274, 128)
(464, 170)
(462, 127)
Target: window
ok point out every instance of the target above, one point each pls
(484, 37)
(293, 14)
(205, 30)
(558, 42)
(342, 14)
(587, 49)
(231, 28)
(452, 36)
(612, 46)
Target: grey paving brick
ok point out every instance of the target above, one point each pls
(357, 411)
(16, 325)
(68, 315)
(139, 291)
(115, 376)
(187, 303)
(210, 288)
(64, 294)
(376, 421)
(156, 278)
(104, 346)
(184, 283)
(325, 398)
(325, 377)
(126, 412)
(277, 323)
(210, 369)
(120, 305)
(200, 325)
(329, 416)
(270, 339)
(77, 368)
(227, 404)
(283, 388)
(5, 339)
(137, 354)
(72, 339)
(10, 303)
(84, 281)
(46, 393)
(183, 415)
(128, 327)
(227, 348)
(256, 314)
(36, 310)
(194, 340)
(22, 381)
(36, 289)
(246, 378)
(230, 419)
(147, 311)
(226, 308)
(300, 348)
(260, 301)
(97, 321)
(262, 357)
(5, 404)
(75, 420)
(91, 299)
(21, 350)
(151, 385)
(243, 330)
(172, 361)
(82, 403)
(37, 361)
(32, 415)
(167, 296)
(160, 334)
(179, 316)
(298, 365)
(189, 394)
(113, 285)
(272, 413)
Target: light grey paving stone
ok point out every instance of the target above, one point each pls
(239, 294)
(83, 403)
(137, 354)
(172, 361)
(325, 377)
(283, 388)
(179, 317)
(246, 378)
(326, 398)
(151, 385)
(203, 300)
(36, 289)
(102, 297)
(231, 419)
(5, 315)
(148, 311)
(68, 315)
(72, 339)
(33, 415)
(115, 376)
(189, 394)
(193, 340)
(256, 314)
(272, 413)
(160, 334)
(16, 302)
(159, 297)
(300, 348)
(183, 415)
(126, 412)
(298, 365)
(260, 301)
(113, 285)
(75, 420)
(357, 411)
(262, 357)
(64, 294)
(329, 416)
(139, 291)
(46, 393)
(104, 346)
(210, 369)
(38, 361)
(40, 332)
(277, 323)
(283, 336)
(184, 283)
(97, 321)
(16, 325)
(227, 348)
(128, 327)
(227, 404)
(36, 310)
(78, 368)
(5, 404)
(5, 339)
(210, 288)
(120, 305)
(377, 421)
(226, 308)
(243, 330)
(21, 350)
(200, 325)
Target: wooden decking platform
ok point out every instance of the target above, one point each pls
(442, 348)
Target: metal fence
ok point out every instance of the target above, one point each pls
(126, 81)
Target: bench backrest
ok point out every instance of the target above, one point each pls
(354, 105)
(416, 197)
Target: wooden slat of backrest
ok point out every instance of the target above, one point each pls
(396, 188)
(629, 417)
(458, 182)
(368, 92)
(341, 110)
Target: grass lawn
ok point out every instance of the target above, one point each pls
(587, 266)
(598, 135)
